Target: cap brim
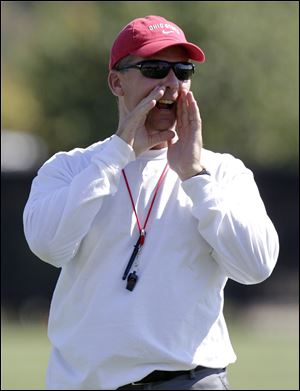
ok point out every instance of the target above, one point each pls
(193, 51)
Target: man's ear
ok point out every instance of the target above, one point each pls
(114, 83)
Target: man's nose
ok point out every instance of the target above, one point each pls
(172, 81)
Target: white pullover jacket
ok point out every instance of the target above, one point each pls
(200, 232)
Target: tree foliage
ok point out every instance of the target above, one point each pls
(55, 64)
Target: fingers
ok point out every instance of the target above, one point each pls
(187, 112)
(139, 114)
(135, 119)
(181, 113)
(149, 102)
(193, 109)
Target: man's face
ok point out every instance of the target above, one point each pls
(136, 87)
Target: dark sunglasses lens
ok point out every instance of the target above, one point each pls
(155, 70)
(184, 71)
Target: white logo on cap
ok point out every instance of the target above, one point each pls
(163, 26)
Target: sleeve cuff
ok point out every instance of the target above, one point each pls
(202, 189)
(116, 154)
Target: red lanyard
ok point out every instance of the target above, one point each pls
(142, 230)
(160, 181)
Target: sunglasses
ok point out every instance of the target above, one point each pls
(157, 69)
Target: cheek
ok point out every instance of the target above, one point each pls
(138, 89)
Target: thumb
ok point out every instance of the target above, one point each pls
(160, 137)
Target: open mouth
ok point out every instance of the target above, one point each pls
(165, 104)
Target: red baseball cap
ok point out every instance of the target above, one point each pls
(146, 36)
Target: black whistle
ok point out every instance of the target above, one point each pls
(131, 281)
(132, 258)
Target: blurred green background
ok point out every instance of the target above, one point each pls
(55, 57)
(265, 339)
(55, 97)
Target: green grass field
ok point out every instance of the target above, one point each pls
(267, 355)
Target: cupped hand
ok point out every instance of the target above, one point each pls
(132, 124)
(184, 154)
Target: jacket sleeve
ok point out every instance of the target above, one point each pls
(232, 218)
(67, 194)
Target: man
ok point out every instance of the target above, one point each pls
(147, 226)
